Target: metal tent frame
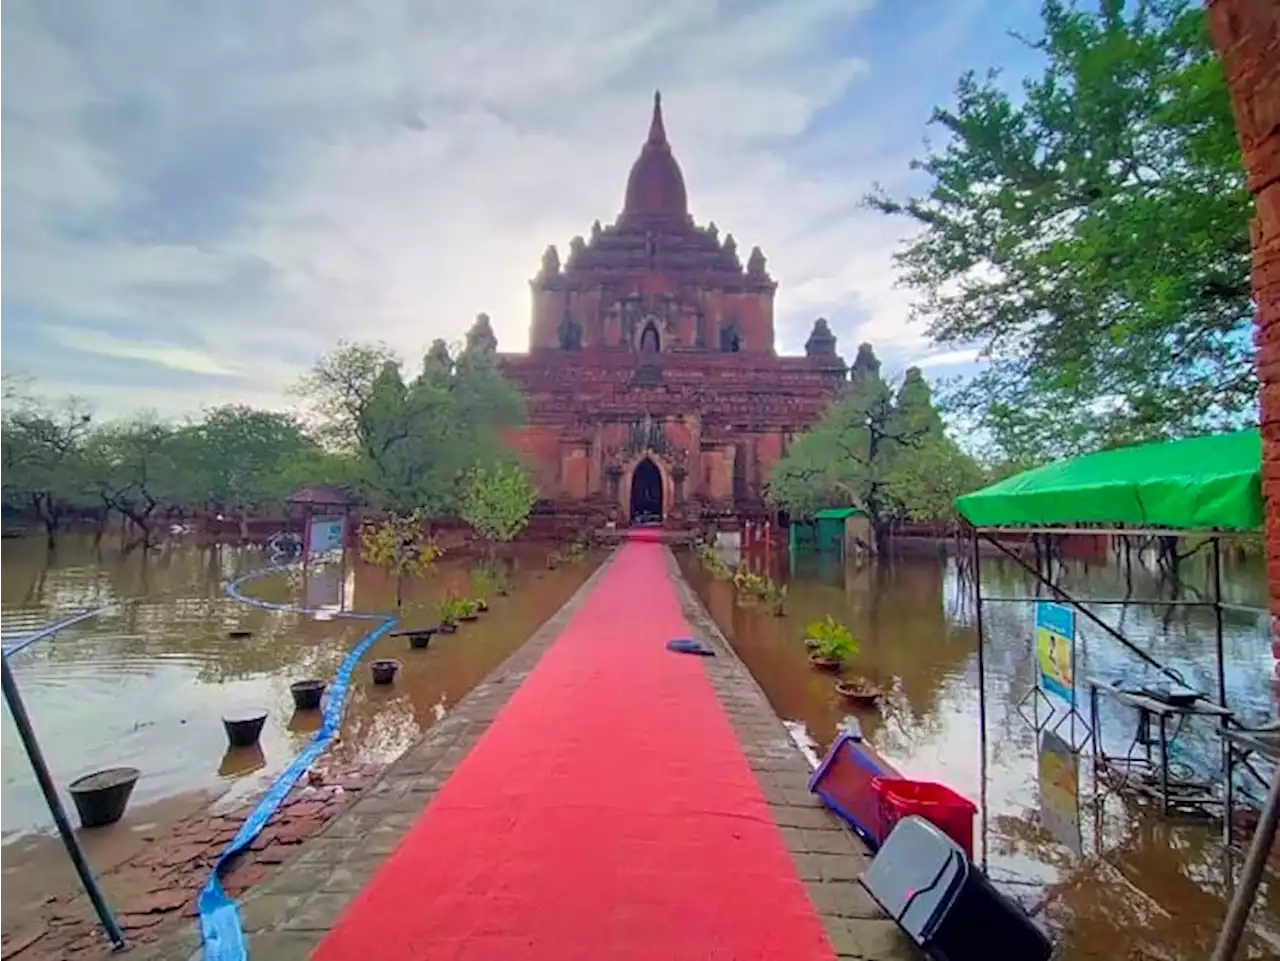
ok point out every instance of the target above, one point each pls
(1265, 834)
(27, 734)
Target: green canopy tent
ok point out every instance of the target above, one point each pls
(1201, 484)
(1210, 485)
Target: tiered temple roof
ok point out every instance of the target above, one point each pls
(655, 232)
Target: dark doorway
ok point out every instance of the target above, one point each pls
(646, 493)
(649, 341)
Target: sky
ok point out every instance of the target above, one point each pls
(201, 198)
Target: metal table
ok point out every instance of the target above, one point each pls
(1170, 792)
(1239, 744)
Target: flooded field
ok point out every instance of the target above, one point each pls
(1119, 882)
(148, 684)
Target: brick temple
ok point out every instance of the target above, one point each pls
(654, 389)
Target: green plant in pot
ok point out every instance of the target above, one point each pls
(502, 581)
(830, 642)
(777, 598)
(484, 581)
(468, 609)
(448, 610)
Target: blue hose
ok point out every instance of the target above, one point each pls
(49, 630)
(220, 928)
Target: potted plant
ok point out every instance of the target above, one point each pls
(483, 582)
(859, 691)
(468, 609)
(448, 611)
(778, 599)
(502, 581)
(833, 644)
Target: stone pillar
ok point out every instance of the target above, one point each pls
(1247, 34)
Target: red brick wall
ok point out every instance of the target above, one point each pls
(590, 309)
(1247, 34)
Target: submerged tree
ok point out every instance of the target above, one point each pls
(497, 501)
(238, 459)
(925, 477)
(888, 455)
(414, 441)
(400, 545)
(42, 450)
(846, 459)
(1091, 236)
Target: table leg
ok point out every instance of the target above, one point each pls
(1228, 793)
(1164, 767)
(1098, 752)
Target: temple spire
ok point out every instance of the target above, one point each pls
(657, 131)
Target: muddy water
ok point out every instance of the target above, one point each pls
(1117, 883)
(147, 685)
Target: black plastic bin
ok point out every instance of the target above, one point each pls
(945, 905)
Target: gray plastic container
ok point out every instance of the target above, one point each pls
(950, 910)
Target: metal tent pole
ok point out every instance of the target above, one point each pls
(982, 686)
(23, 723)
(1217, 618)
(1238, 914)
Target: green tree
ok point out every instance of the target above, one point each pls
(926, 480)
(1091, 236)
(415, 441)
(497, 501)
(42, 450)
(848, 457)
(925, 476)
(135, 467)
(399, 544)
(238, 459)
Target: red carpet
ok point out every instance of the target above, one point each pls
(608, 813)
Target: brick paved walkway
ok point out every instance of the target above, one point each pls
(289, 914)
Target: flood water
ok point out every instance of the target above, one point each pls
(147, 685)
(1114, 881)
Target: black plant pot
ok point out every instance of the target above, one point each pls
(384, 670)
(483, 606)
(307, 694)
(101, 797)
(418, 640)
(469, 617)
(449, 628)
(243, 729)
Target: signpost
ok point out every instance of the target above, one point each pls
(324, 534)
(1055, 649)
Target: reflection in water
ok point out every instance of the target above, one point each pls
(242, 760)
(1130, 884)
(148, 685)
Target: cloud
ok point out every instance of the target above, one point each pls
(948, 358)
(224, 190)
(174, 358)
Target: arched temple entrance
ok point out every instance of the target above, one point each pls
(650, 342)
(646, 493)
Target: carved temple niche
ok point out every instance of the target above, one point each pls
(741, 471)
(718, 473)
(575, 470)
(570, 333)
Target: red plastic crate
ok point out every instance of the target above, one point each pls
(951, 812)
